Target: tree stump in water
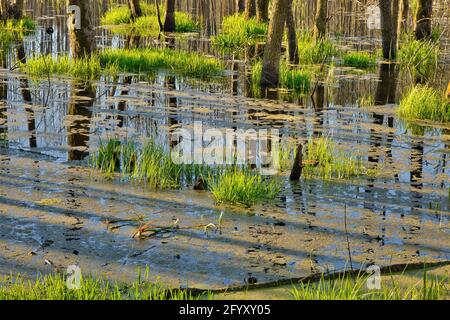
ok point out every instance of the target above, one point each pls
(297, 168)
(200, 184)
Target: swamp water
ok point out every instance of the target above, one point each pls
(54, 209)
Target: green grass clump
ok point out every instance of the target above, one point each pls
(127, 60)
(156, 169)
(116, 16)
(54, 287)
(359, 59)
(151, 60)
(366, 100)
(152, 165)
(424, 103)
(6, 39)
(24, 25)
(14, 30)
(348, 288)
(149, 20)
(322, 159)
(312, 51)
(237, 32)
(84, 68)
(295, 79)
(292, 78)
(241, 186)
(420, 57)
(108, 157)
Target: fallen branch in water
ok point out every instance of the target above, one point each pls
(149, 230)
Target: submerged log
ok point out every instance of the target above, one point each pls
(296, 172)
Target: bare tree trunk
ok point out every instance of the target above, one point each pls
(423, 19)
(169, 22)
(18, 9)
(262, 10)
(240, 6)
(389, 17)
(395, 23)
(10, 9)
(82, 40)
(272, 52)
(135, 9)
(104, 6)
(250, 8)
(320, 28)
(292, 36)
(3, 10)
(405, 16)
(297, 168)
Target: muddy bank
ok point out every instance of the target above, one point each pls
(53, 215)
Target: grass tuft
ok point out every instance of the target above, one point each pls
(54, 287)
(359, 59)
(149, 21)
(155, 168)
(348, 288)
(84, 68)
(424, 103)
(110, 62)
(25, 25)
(420, 57)
(150, 60)
(152, 165)
(241, 186)
(237, 31)
(312, 51)
(292, 78)
(323, 159)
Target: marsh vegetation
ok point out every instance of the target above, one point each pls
(324, 138)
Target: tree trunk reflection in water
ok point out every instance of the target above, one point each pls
(171, 107)
(3, 106)
(318, 101)
(26, 96)
(80, 110)
(385, 94)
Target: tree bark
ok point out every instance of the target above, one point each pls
(169, 21)
(297, 168)
(82, 41)
(10, 10)
(405, 16)
(135, 9)
(320, 28)
(389, 20)
(262, 10)
(272, 51)
(292, 36)
(395, 23)
(250, 8)
(240, 6)
(423, 19)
